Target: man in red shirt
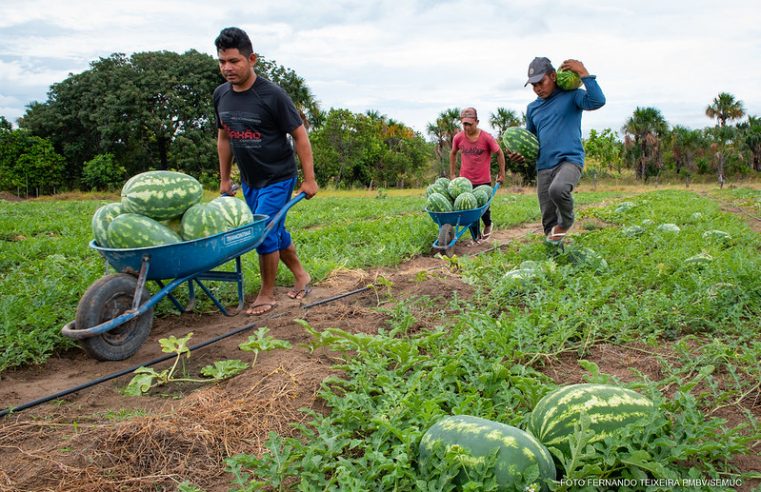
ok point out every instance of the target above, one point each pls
(476, 147)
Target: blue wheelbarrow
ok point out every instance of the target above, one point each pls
(115, 315)
(452, 225)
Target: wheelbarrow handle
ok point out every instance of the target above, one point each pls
(278, 216)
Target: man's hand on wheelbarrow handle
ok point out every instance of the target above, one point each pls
(231, 192)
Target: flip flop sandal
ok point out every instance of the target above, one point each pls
(301, 293)
(269, 305)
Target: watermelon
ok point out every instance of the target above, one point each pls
(466, 201)
(101, 219)
(138, 231)
(160, 195)
(481, 196)
(202, 220)
(609, 408)
(717, 235)
(516, 451)
(568, 80)
(521, 141)
(431, 189)
(438, 203)
(443, 182)
(458, 186)
(234, 210)
(486, 188)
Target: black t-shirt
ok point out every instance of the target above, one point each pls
(258, 122)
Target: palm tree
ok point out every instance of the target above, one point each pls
(686, 144)
(503, 119)
(725, 107)
(443, 131)
(642, 141)
(751, 136)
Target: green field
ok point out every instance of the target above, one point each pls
(630, 279)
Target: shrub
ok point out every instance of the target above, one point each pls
(102, 173)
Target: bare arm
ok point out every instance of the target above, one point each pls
(452, 162)
(501, 162)
(225, 154)
(304, 151)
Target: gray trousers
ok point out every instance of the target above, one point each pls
(554, 187)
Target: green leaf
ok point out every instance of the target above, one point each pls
(223, 369)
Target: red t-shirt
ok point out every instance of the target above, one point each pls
(475, 156)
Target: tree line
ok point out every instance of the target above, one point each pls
(153, 110)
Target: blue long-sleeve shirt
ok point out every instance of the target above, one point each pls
(556, 122)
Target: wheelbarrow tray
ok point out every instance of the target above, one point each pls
(188, 257)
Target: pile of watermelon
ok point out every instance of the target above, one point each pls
(164, 207)
(534, 453)
(458, 194)
(521, 141)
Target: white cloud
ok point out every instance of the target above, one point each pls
(412, 60)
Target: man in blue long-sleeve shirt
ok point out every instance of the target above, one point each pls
(555, 118)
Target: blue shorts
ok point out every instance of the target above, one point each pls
(268, 201)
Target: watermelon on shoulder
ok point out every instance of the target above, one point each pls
(567, 80)
(160, 195)
(518, 452)
(131, 231)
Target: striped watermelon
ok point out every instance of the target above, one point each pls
(481, 196)
(458, 186)
(523, 142)
(438, 203)
(568, 80)
(138, 231)
(608, 407)
(234, 210)
(202, 220)
(101, 219)
(466, 201)
(516, 450)
(485, 188)
(160, 195)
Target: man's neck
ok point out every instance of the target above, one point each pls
(249, 83)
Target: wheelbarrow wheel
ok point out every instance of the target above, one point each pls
(106, 299)
(446, 236)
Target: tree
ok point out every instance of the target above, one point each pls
(29, 164)
(642, 141)
(502, 119)
(443, 131)
(724, 108)
(360, 149)
(5, 125)
(751, 137)
(605, 147)
(686, 145)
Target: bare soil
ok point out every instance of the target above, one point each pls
(98, 439)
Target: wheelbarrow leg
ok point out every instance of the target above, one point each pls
(446, 239)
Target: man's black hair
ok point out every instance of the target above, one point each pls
(234, 38)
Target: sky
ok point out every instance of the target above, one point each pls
(411, 60)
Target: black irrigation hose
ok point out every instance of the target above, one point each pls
(335, 298)
(117, 374)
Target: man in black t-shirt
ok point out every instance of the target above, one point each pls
(254, 118)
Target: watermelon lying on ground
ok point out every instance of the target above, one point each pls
(523, 142)
(608, 407)
(160, 195)
(138, 231)
(516, 451)
(101, 219)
